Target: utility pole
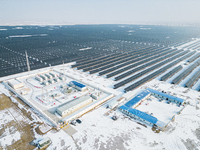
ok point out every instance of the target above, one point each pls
(63, 68)
(27, 62)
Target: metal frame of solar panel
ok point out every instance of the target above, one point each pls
(185, 73)
(192, 80)
(171, 73)
(130, 79)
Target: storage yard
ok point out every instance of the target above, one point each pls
(106, 92)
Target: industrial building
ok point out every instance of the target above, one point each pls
(48, 76)
(52, 74)
(122, 98)
(51, 81)
(139, 115)
(74, 105)
(78, 86)
(138, 99)
(15, 84)
(95, 95)
(38, 78)
(62, 78)
(129, 107)
(44, 143)
(45, 83)
(165, 96)
(44, 77)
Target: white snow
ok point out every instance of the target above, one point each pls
(99, 131)
(9, 138)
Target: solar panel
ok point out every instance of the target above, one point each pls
(148, 70)
(172, 72)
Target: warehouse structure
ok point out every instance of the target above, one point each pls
(74, 105)
(15, 84)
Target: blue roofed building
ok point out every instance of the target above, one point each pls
(134, 102)
(139, 115)
(165, 96)
(78, 86)
(129, 107)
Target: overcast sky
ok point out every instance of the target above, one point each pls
(100, 11)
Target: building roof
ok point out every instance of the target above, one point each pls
(14, 82)
(140, 114)
(44, 140)
(166, 95)
(73, 103)
(138, 98)
(78, 84)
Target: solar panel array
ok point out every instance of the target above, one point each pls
(194, 57)
(150, 57)
(172, 72)
(156, 73)
(193, 79)
(130, 79)
(126, 61)
(185, 73)
(100, 49)
(145, 65)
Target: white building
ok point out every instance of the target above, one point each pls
(74, 105)
(15, 84)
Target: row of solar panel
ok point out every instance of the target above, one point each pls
(194, 57)
(115, 60)
(185, 73)
(130, 79)
(104, 62)
(97, 59)
(145, 65)
(130, 61)
(193, 79)
(85, 64)
(134, 65)
(172, 72)
(156, 73)
(110, 58)
(133, 52)
(79, 63)
(193, 45)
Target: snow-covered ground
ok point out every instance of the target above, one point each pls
(99, 131)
